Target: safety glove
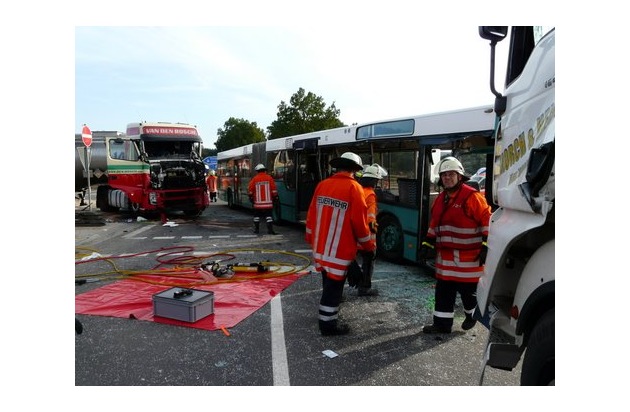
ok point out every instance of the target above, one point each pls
(373, 226)
(427, 249)
(483, 253)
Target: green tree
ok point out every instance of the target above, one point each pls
(208, 152)
(306, 113)
(238, 132)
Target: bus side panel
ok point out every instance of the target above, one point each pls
(411, 237)
(288, 209)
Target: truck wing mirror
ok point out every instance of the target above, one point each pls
(493, 33)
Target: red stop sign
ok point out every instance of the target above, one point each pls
(86, 136)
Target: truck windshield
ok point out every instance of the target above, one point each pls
(169, 150)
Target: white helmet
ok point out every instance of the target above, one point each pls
(375, 171)
(212, 172)
(348, 160)
(450, 164)
(260, 167)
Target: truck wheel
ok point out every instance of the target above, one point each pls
(134, 208)
(102, 195)
(539, 362)
(389, 239)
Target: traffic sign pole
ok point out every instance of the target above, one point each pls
(86, 136)
(88, 155)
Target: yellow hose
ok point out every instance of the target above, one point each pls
(276, 269)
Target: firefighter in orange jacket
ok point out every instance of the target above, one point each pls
(363, 275)
(211, 181)
(262, 193)
(336, 222)
(457, 236)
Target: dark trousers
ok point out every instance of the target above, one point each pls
(367, 269)
(361, 276)
(332, 291)
(445, 295)
(263, 213)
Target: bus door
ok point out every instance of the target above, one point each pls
(307, 174)
(242, 174)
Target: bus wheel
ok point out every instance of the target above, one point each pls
(389, 239)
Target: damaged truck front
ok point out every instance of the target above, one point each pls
(153, 168)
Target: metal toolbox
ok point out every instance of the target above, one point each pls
(188, 305)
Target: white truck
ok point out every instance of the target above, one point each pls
(516, 294)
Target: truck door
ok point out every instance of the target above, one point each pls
(125, 168)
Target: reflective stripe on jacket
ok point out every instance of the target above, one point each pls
(336, 222)
(262, 189)
(458, 227)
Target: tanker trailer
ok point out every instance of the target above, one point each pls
(98, 162)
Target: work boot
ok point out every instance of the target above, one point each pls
(335, 328)
(257, 228)
(469, 322)
(435, 329)
(270, 229)
(368, 292)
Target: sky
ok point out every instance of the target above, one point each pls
(205, 75)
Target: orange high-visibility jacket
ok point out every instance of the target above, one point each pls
(262, 189)
(372, 209)
(336, 222)
(458, 228)
(211, 181)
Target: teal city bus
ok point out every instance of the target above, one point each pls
(407, 148)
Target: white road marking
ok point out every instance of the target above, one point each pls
(137, 232)
(278, 346)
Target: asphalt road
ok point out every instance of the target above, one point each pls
(279, 344)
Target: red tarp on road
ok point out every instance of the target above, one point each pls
(233, 301)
